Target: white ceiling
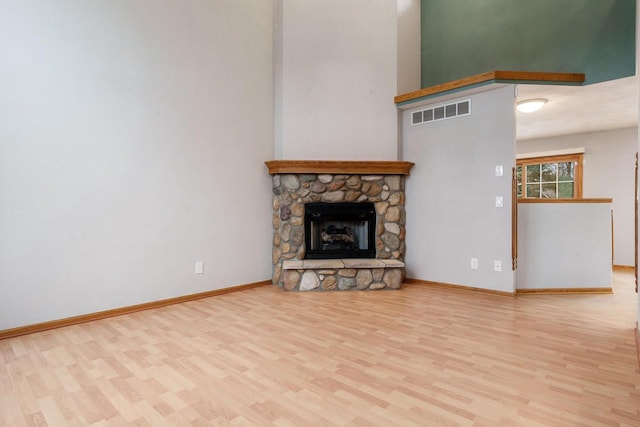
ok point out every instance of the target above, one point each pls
(579, 109)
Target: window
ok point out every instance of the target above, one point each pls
(556, 177)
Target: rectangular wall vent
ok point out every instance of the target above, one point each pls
(441, 112)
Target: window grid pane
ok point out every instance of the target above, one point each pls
(565, 190)
(566, 171)
(533, 173)
(549, 172)
(549, 191)
(533, 190)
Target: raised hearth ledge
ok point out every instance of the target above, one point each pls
(364, 167)
(308, 264)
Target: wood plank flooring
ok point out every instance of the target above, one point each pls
(264, 357)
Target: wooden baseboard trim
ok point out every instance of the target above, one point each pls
(45, 326)
(458, 287)
(546, 291)
(623, 267)
(637, 333)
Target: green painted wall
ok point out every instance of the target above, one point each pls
(461, 38)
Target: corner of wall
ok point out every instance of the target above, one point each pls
(277, 79)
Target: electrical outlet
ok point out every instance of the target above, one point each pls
(474, 263)
(499, 202)
(497, 265)
(199, 267)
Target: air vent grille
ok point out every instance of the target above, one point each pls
(441, 112)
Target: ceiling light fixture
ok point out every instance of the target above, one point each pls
(530, 105)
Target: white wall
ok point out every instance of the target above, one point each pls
(129, 131)
(451, 213)
(609, 167)
(409, 66)
(336, 76)
(564, 245)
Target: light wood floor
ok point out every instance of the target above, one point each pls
(265, 357)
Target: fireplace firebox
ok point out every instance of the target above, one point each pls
(339, 230)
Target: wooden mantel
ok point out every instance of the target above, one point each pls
(364, 167)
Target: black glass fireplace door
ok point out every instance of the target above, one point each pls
(339, 230)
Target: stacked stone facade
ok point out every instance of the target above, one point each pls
(292, 191)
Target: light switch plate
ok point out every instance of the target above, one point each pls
(499, 202)
(499, 170)
(199, 267)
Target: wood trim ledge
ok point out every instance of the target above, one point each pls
(373, 167)
(45, 326)
(627, 268)
(458, 287)
(497, 77)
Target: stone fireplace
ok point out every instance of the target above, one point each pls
(338, 225)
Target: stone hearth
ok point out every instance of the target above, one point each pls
(296, 183)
